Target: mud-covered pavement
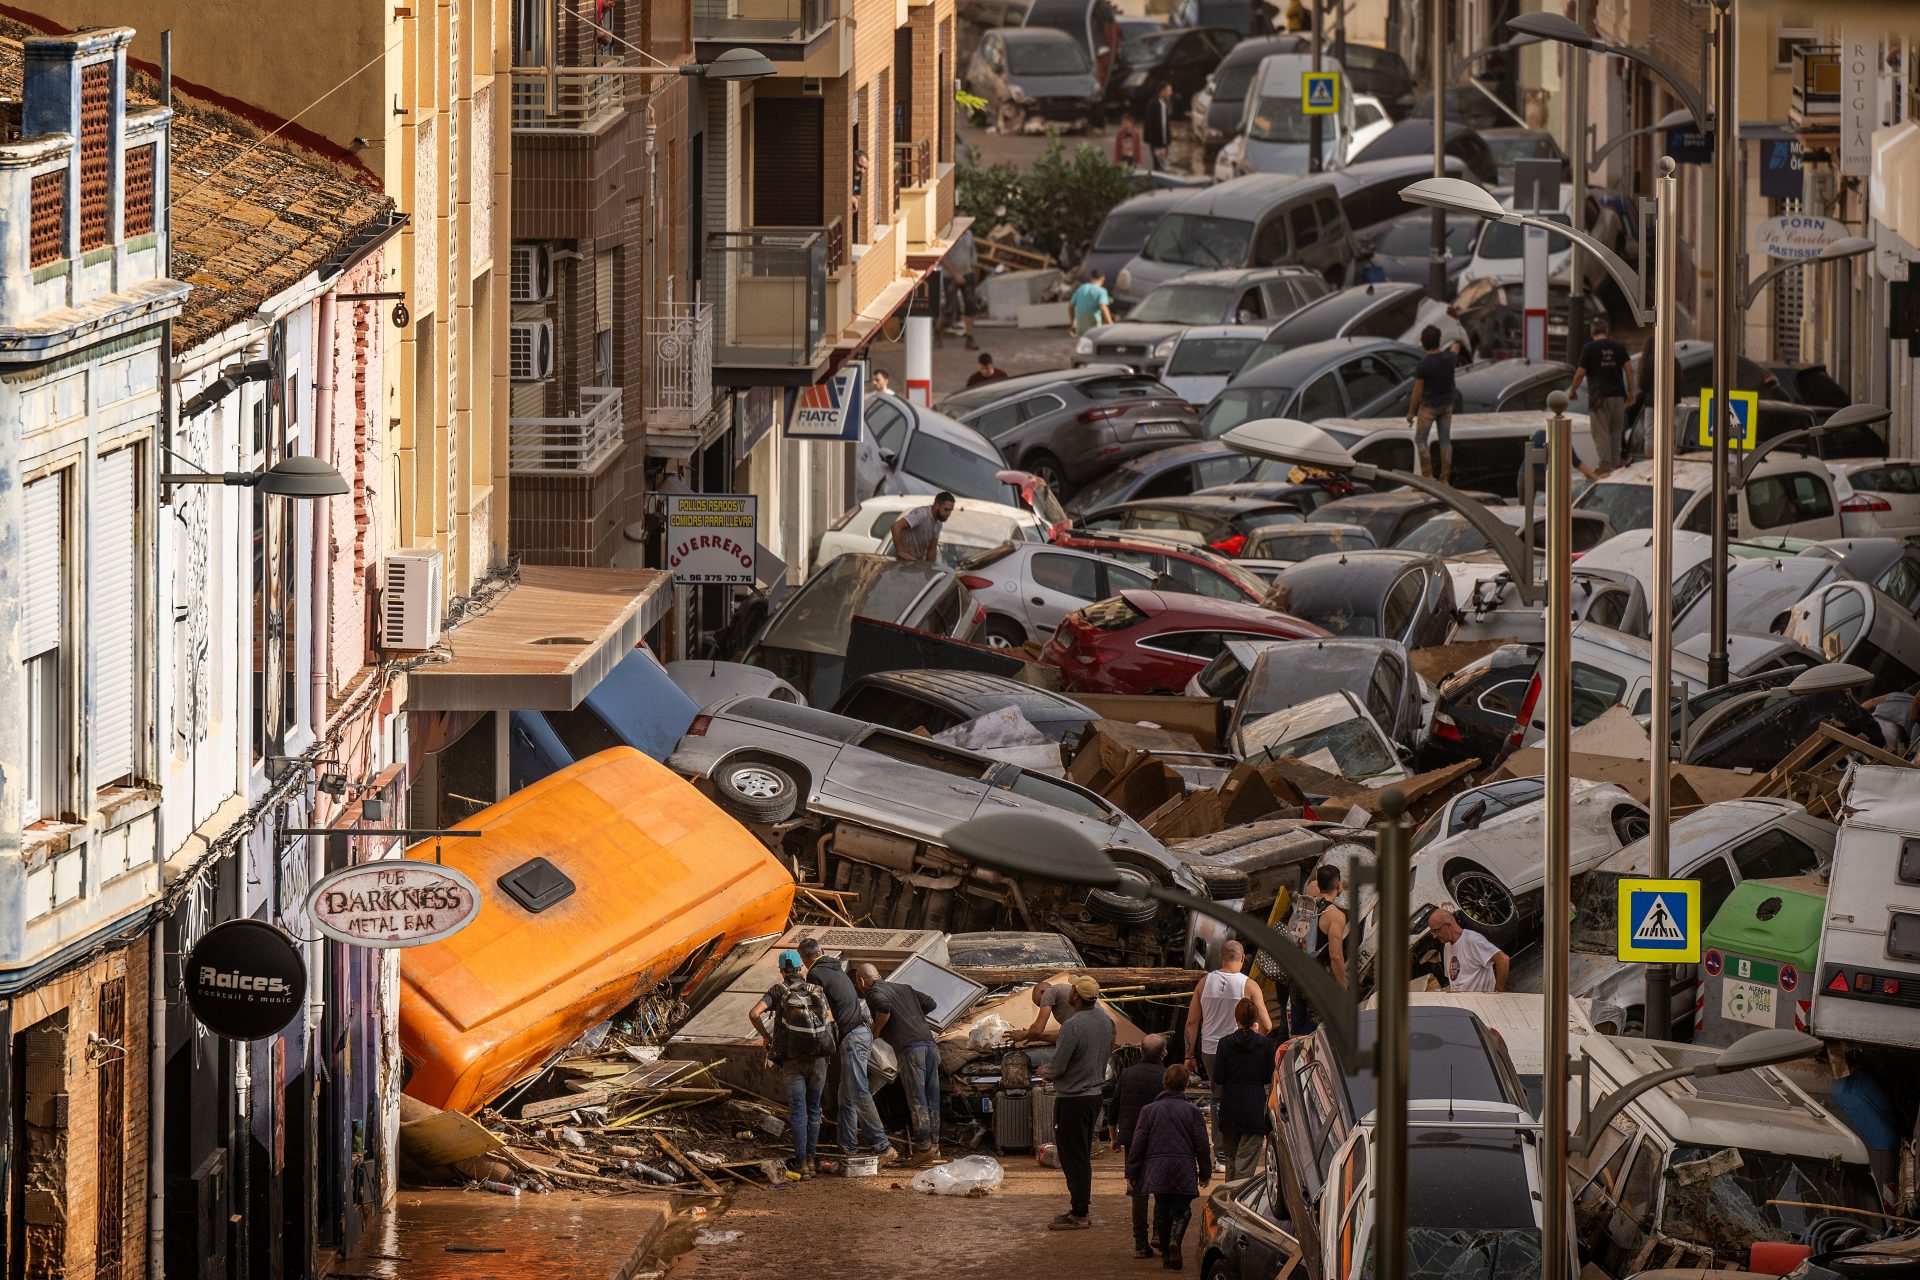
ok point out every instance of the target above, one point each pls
(880, 1229)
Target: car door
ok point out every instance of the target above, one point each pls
(1373, 388)
(1187, 66)
(1057, 583)
(914, 782)
(1320, 398)
(882, 444)
(1260, 1249)
(1400, 611)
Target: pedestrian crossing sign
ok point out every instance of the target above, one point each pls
(1659, 921)
(1746, 410)
(1319, 93)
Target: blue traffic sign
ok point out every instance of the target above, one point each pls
(1319, 93)
(1746, 411)
(1659, 920)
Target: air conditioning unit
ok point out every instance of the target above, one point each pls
(813, 86)
(410, 600)
(532, 278)
(530, 350)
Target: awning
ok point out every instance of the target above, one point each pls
(545, 642)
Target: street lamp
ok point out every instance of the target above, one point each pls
(1556, 27)
(1305, 445)
(1844, 247)
(1678, 119)
(1854, 415)
(296, 477)
(1767, 1048)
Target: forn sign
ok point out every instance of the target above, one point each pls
(393, 903)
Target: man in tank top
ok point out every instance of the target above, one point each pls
(1210, 1017)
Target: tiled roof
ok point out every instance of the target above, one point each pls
(251, 215)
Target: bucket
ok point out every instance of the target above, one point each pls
(860, 1167)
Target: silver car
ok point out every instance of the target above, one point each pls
(1027, 587)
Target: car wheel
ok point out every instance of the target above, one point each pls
(1047, 467)
(1116, 907)
(756, 791)
(1217, 1269)
(1010, 119)
(1223, 885)
(1887, 1265)
(1485, 904)
(1003, 633)
(1631, 825)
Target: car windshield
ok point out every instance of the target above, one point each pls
(1278, 119)
(1150, 47)
(1447, 535)
(1729, 1197)
(1503, 240)
(1047, 58)
(1183, 304)
(968, 533)
(1298, 672)
(945, 465)
(1199, 240)
(1464, 1253)
(1236, 405)
(1124, 232)
(1302, 544)
(1626, 506)
(818, 617)
(1596, 906)
(1412, 237)
(1509, 147)
(1210, 357)
(1327, 733)
(1114, 486)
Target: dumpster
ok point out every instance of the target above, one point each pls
(1759, 955)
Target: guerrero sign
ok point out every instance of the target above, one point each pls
(711, 538)
(245, 980)
(393, 903)
(1797, 236)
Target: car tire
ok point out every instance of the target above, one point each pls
(1115, 907)
(1223, 885)
(1484, 904)
(1002, 633)
(1882, 1266)
(756, 791)
(1048, 468)
(1630, 825)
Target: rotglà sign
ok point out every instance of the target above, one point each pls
(393, 903)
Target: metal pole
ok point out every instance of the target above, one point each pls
(1437, 245)
(1726, 304)
(1576, 265)
(1316, 131)
(1391, 1054)
(1557, 940)
(1840, 360)
(1656, 1018)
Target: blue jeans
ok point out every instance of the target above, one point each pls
(860, 1127)
(920, 1078)
(806, 1078)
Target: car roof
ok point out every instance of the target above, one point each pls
(1292, 368)
(1365, 172)
(1261, 47)
(1383, 500)
(1160, 199)
(982, 687)
(1038, 35)
(1500, 375)
(1691, 474)
(1157, 603)
(1222, 503)
(1343, 305)
(1254, 194)
(1313, 529)
(1371, 567)
(1417, 133)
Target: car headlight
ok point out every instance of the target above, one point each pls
(1124, 282)
(1084, 347)
(1164, 348)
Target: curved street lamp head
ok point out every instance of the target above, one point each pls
(1037, 846)
(1290, 440)
(302, 477)
(1455, 195)
(738, 64)
(1551, 26)
(1856, 415)
(1761, 1049)
(1844, 247)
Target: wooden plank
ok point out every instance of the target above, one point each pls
(1171, 979)
(597, 1096)
(444, 1138)
(1864, 747)
(680, 1157)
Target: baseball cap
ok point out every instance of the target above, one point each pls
(1085, 986)
(790, 962)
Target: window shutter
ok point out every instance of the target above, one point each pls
(45, 563)
(788, 154)
(114, 622)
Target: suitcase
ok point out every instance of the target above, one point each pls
(1012, 1120)
(1041, 1101)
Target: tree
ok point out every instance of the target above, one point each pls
(1056, 204)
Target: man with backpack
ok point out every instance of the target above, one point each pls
(800, 1042)
(861, 1132)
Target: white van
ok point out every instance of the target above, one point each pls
(1275, 135)
(1869, 984)
(1488, 448)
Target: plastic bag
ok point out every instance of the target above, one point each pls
(967, 1176)
(990, 1031)
(716, 1237)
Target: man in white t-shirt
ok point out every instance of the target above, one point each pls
(1210, 1019)
(1472, 962)
(916, 535)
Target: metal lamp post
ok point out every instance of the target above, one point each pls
(1657, 1015)
(1557, 942)
(1841, 249)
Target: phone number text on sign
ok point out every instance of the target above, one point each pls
(712, 539)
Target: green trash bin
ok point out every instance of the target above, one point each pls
(1759, 956)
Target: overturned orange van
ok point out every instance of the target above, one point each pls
(597, 883)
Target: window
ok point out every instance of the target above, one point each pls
(96, 88)
(1769, 502)
(942, 617)
(1505, 698)
(1076, 576)
(946, 465)
(1202, 580)
(1205, 645)
(1226, 470)
(1390, 321)
(1842, 615)
(883, 524)
(42, 632)
(140, 191)
(1252, 307)
(1716, 883)
(1609, 608)
(1594, 691)
(887, 422)
(48, 237)
(1328, 213)
(896, 710)
(1119, 579)
(1154, 518)
(113, 582)
(1787, 39)
(1305, 230)
(1774, 853)
(1902, 582)
(1320, 399)
(996, 421)
(1383, 694)
(1812, 499)
(1058, 794)
(1366, 379)
(1270, 247)
(1690, 586)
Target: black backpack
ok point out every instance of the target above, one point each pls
(801, 1027)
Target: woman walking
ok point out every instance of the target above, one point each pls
(1243, 1073)
(1171, 1160)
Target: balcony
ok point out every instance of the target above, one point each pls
(912, 163)
(579, 103)
(784, 30)
(770, 301)
(1816, 86)
(579, 445)
(680, 368)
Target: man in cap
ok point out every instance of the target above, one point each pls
(800, 1042)
(1077, 1072)
(861, 1132)
(1054, 1001)
(900, 1018)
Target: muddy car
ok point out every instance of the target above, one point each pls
(865, 809)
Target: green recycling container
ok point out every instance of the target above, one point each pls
(1758, 959)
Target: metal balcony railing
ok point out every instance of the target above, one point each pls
(578, 103)
(1816, 83)
(680, 346)
(761, 21)
(912, 163)
(769, 289)
(578, 445)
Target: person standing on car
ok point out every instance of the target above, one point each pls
(916, 535)
(1329, 943)
(1472, 962)
(1243, 1075)
(1210, 1016)
(1432, 403)
(1133, 1090)
(1159, 130)
(1171, 1161)
(1078, 1072)
(800, 1042)
(861, 1132)
(900, 1018)
(1606, 369)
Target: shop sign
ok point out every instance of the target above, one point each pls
(393, 903)
(1797, 236)
(245, 980)
(831, 409)
(711, 538)
(1859, 98)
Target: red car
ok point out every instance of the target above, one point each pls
(1154, 642)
